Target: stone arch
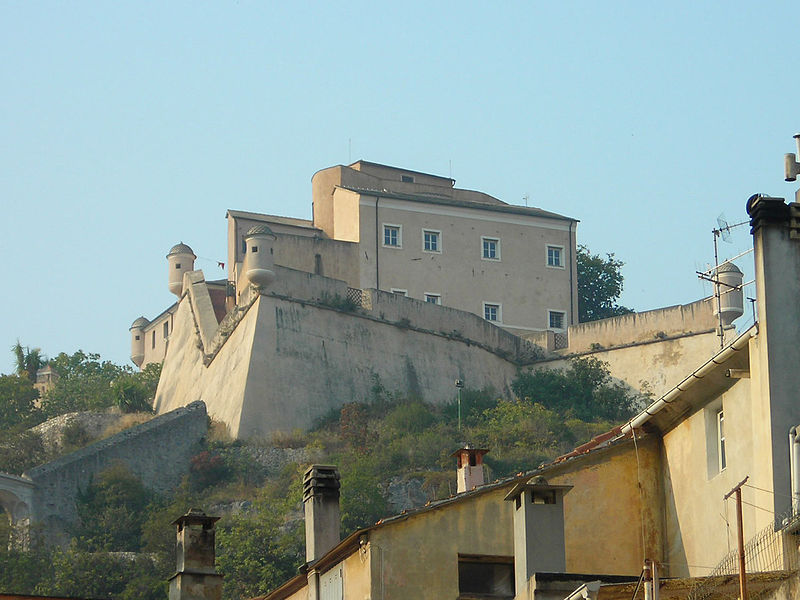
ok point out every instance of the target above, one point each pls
(16, 498)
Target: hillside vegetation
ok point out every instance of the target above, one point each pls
(393, 452)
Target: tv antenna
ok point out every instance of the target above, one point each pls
(723, 231)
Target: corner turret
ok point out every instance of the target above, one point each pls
(259, 262)
(181, 260)
(137, 340)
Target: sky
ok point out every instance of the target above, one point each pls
(126, 127)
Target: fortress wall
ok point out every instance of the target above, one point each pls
(338, 259)
(288, 363)
(307, 361)
(450, 321)
(143, 449)
(655, 366)
(644, 326)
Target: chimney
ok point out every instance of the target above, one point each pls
(195, 577)
(469, 467)
(775, 226)
(538, 530)
(321, 505)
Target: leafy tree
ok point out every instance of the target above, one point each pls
(84, 383)
(112, 511)
(21, 451)
(599, 286)
(17, 396)
(28, 360)
(585, 390)
(131, 395)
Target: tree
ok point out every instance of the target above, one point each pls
(28, 360)
(17, 396)
(599, 286)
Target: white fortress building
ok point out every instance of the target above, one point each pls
(400, 278)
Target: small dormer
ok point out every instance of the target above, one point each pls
(469, 467)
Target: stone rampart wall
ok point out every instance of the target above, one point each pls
(158, 452)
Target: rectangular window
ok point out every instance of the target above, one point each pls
(491, 248)
(154, 338)
(399, 292)
(166, 329)
(431, 240)
(392, 237)
(406, 179)
(433, 298)
(485, 577)
(555, 256)
(555, 319)
(491, 312)
(721, 440)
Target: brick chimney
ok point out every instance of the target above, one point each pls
(469, 467)
(321, 506)
(196, 577)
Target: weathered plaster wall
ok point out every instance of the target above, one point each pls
(655, 366)
(254, 372)
(403, 554)
(696, 528)
(142, 448)
(613, 498)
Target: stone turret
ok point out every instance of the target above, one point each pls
(181, 260)
(137, 340)
(259, 262)
(196, 577)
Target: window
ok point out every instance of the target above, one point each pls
(399, 292)
(555, 257)
(433, 298)
(166, 329)
(431, 240)
(137, 338)
(255, 249)
(154, 339)
(177, 265)
(555, 319)
(485, 576)
(392, 237)
(491, 312)
(491, 248)
(721, 440)
(406, 179)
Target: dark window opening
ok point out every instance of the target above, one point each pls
(244, 247)
(166, 329)
(177, 265)
(318, 264)
(548, 497)
(137, 338)
(472, 461)
(154, 339)
(518, 501)
(490, 578)
(255, 249)
(406, 179)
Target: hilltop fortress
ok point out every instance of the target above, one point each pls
(401, 280)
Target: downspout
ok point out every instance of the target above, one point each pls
(377, 238)
(794, 468)
(571, 268)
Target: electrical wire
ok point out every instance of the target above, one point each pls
(759, 507)
(767, 491)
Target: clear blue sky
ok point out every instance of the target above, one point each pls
(126, 127)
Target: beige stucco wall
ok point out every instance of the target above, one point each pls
(251, 378)
(614, 497)
(697, 533)
(521, 282)
(155, 342)
(418, 557)
(654, 367)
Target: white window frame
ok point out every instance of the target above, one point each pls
(563, 314)
(438, 241)
(399, 228)
(560, 256)
(399, 292)
(438, 297)
(499, 308)
(722, 459)
(496, 240)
